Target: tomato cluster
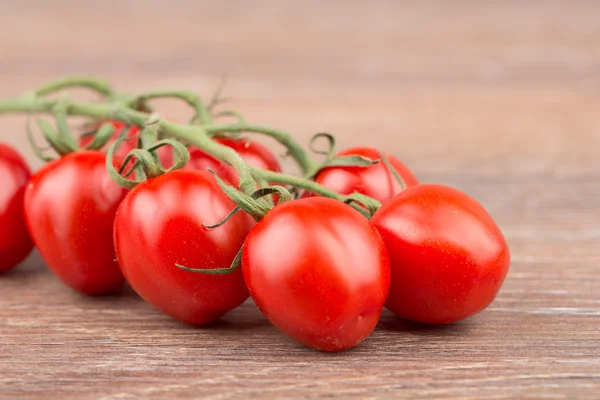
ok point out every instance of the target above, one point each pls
(316, 267)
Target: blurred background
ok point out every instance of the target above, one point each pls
(497, 98)
(486, 88)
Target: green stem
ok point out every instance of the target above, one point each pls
(97, 85)
(285, 179)
(311, 186)
(189, 97)
(195, 135)
(198, 137)
(231, 113)
(26, 104)
(306, 163)
(393, 170)
(60, 117)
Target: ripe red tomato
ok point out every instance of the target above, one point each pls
(375, 181)
(15, 243)
(70, 206)
(161, 223)
(448, 257)
(319, 271)
(165, 153)
(201, 161)
(252, 152)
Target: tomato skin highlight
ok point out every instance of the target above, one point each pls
(319, 271)
(70, 205)
(448, 257)
(15, 243)
(160, 224)
(375, 181)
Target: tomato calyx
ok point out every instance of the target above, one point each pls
(251, 205)
(101, 136)
(370, 203)
(147, 161)
(61, 140)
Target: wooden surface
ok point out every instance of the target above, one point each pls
(498, 100)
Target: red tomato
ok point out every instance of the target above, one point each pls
(161, 223)
(70, 206)
(448, 257)
(165, 153)
(15, 243)
(201, 161)
(375, 181)
(252, 152)
(319, 271)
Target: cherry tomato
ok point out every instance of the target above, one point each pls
(319, 272)
(201, 161)
(448, 257)
(165, 153)
(70, 206)
(160, 224)
(15, 243)
(375, 181)
(252, 152)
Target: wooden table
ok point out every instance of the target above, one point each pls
(500, 101)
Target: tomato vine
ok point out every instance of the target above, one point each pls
(126, 108)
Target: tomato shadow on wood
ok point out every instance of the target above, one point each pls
(227, 325)
(231, 325)
(31, 266)
(245, 317)
(391, 322)
(125, 299)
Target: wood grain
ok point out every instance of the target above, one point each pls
(499, 100)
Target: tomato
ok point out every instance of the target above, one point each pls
(165, 153)
(375, 181)
(201, 161)
(70, 205)
(448, 257)
(15, 243)
(252, 152)
(161, 223)
(319, 272)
